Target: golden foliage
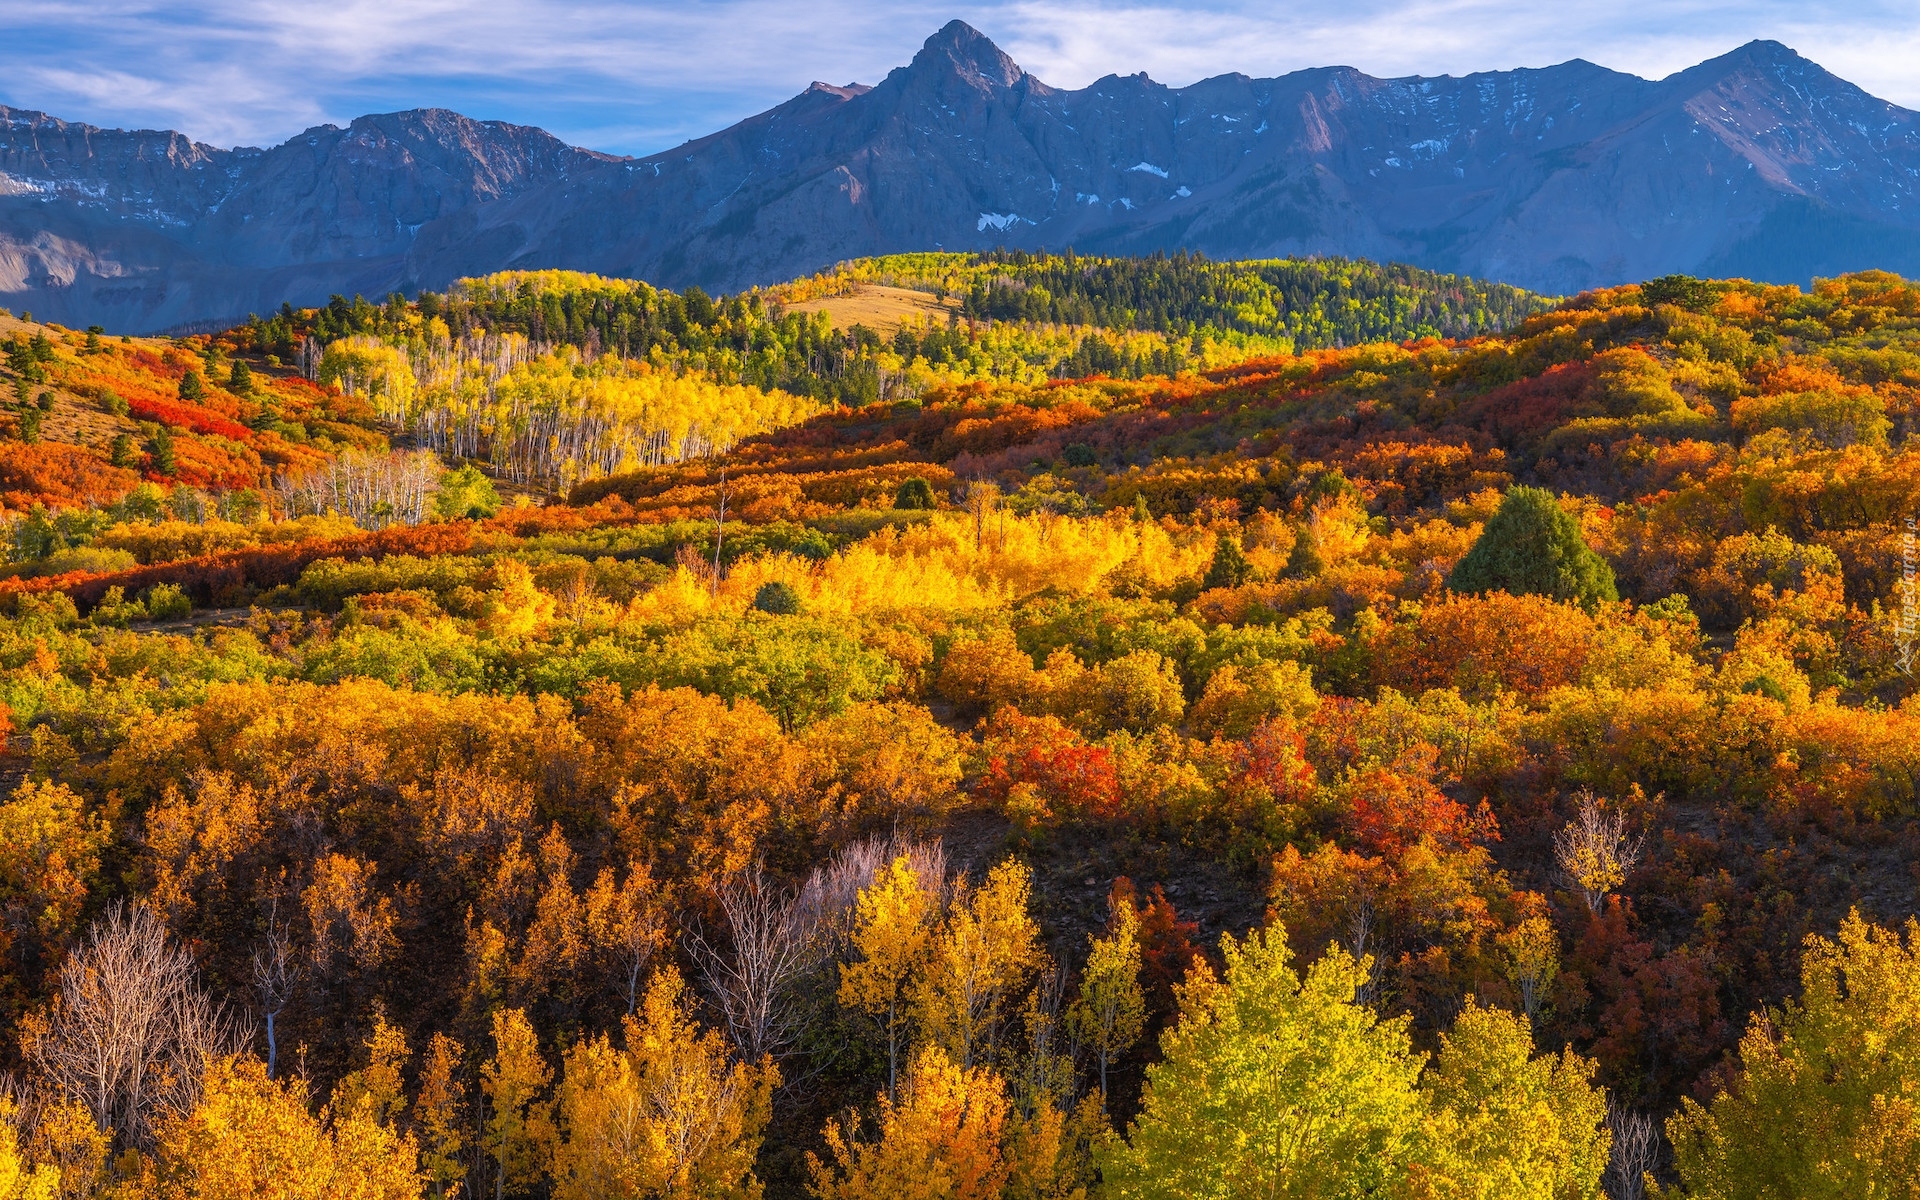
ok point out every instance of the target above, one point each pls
(980, 959)
(892, 931)
(673, 1115)
(1840, 1068)
(251, 1138)
(942, 1140)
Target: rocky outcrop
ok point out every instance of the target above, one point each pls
(1757, 163)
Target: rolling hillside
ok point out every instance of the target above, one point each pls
(553, 378)
(1533, 708)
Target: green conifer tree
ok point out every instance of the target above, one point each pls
(1230, 567)
(162, 448)
(915, 493)
(1532, 546)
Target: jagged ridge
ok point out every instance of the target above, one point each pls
(1758, 162)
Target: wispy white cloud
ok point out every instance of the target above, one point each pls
(1074, 44)
(640, 75)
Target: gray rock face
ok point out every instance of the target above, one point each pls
(1757, 163)
(143, 230)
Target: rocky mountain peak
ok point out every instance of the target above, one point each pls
(960, 49)
(1765, 51)
(1754, 163)
(1769, 63)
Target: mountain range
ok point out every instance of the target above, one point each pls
(1757, 163)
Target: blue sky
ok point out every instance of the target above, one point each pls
(634, 76)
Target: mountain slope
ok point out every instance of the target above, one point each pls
(143, 230)
(1757, 162)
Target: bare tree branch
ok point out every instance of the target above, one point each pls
(832, 890)
(1636, 1151)
(771, 943)
(131, 1030)
(776, 938)
(275, 974)
(1594, 852)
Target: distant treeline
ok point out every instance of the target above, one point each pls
(1014, 316)
(1316, 303)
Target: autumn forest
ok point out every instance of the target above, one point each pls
(967, 726)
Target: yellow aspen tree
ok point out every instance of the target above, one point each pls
(1826, 1104)
(437, 1114)
(1050, 1150)
(1530, 954)
(1050, 1138)
(942, 1140)
(1272, 1084)
(709, 1111)
(1503, 1124)
(377, 1090)
(608, 1144)
(892, 925)
(556, 940)
(517, 608)
(1595, 851)
(20, 1179)
(607, 1149)
(49, 849)
(66, 1139)
(251, 1138)
(673, 1115)
(370, 1162)
(1111, 1011)
(1043, 1075)
(517, 1121)
(626, 924)
(987, 949)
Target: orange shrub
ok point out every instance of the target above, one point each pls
(59, 475)
(1486, 644)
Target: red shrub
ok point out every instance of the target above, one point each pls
(1393, 810)
(1074, 776)
(220, 578)
(1654, 1019)
(1167, 943)
(185, 416)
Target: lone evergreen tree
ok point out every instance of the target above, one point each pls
(163, 460)
(914, 493)
(1230, 567)
(1533, 546)
(192, 387)
(240, 378)
(777, 597)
